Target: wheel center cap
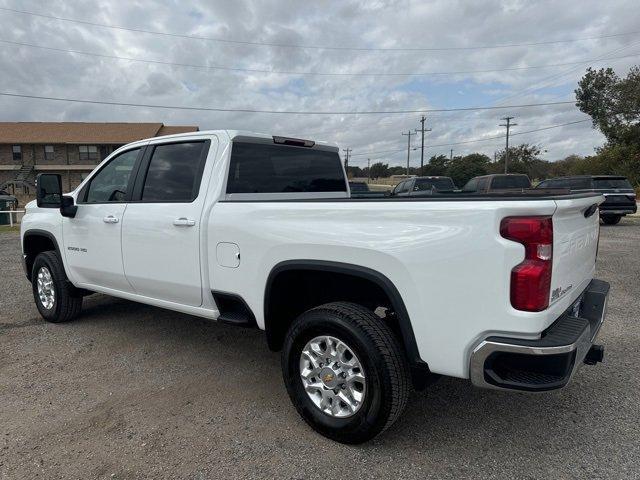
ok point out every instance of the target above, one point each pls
(329, 377)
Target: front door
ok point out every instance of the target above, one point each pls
(92, 239)
(162, 224)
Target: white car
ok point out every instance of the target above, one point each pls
(365, 297)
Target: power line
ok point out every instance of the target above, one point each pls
(476, 140)
(287, 112)
(294, 72)
(318, 47)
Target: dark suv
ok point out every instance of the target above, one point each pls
(502, 182)
(420, 186)
(620, 199)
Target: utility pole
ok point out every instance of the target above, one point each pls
(347, 152)
(506, 152)
(422, 130)
(408, 135)
(368, 170)
(451, 154)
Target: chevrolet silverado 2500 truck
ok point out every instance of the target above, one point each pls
(365, 297)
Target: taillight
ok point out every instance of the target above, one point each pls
(530, 279)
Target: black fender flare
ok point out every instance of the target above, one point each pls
(404, 322)
(34, 232)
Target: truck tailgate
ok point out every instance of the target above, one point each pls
(576, 227)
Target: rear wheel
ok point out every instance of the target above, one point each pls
(57, 300)
(611, 219)
(345, 372)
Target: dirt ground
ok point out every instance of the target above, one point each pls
(132, 391)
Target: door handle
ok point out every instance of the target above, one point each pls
(184, 222)
(110, 219)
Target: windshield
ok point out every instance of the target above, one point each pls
(510, 181)
(437, 183)
(604, 183)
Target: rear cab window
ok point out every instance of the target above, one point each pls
(272, 170)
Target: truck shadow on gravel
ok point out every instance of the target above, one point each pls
(451, 414)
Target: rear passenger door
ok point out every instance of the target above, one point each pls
(161, 227)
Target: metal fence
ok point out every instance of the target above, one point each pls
(15, 217)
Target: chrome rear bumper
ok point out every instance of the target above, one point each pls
(547, 363)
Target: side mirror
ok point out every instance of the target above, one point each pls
(68, 207)
(49, 190)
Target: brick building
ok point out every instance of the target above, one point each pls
(68, 148)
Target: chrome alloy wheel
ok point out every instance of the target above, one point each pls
(332, 376)
(46, 290)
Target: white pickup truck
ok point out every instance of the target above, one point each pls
(365, 297)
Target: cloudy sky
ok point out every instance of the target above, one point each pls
(325, 56)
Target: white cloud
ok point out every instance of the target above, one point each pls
(386, 24)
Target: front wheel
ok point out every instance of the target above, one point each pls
(611, 219)
(56, 299)
(345, 372)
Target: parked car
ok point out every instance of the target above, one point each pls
(8, 199)
(620, 198)
(417, 186)
(365, 297)
(497, 183)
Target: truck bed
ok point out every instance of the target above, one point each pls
(442, 197)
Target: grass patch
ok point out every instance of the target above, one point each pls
(8, 228)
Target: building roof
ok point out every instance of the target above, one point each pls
(84, 132)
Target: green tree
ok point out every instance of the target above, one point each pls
(397, 170)
(355, 172)
(463, 169)
(379, 169)
(437, 165)
(612, 103)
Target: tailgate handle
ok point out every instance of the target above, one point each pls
(591, 210)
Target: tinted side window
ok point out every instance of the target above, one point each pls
(437, 183)
(265, 168)
(482, 184)
(576, 183)
(619, 183)
(111, 182)
(174, 172)
(515, 181)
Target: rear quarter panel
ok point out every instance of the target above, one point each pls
(446, 259)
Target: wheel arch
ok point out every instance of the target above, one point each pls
(280, 278)
(35, 241)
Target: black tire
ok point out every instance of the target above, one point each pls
(374, 344)
(67, 302)
(611, 219)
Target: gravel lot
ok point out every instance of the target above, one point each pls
(131, 391)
